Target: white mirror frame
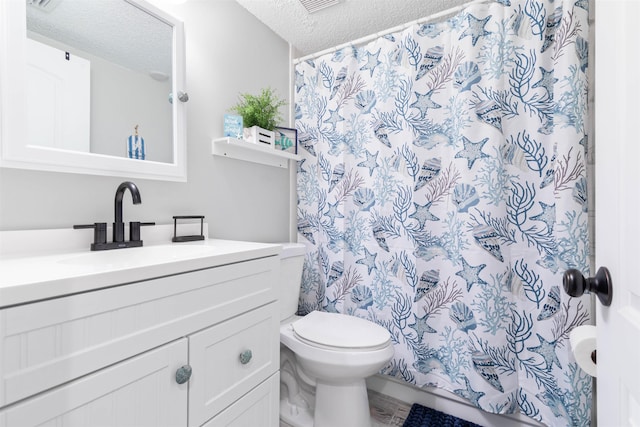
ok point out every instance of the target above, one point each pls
(14, 150)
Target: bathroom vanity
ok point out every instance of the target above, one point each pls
(162, 335)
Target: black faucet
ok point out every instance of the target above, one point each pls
(100, 228)
(118, 225)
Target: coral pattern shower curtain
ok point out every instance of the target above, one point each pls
(442, 194)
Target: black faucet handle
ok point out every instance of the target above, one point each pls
(134, 229)
(99, 231)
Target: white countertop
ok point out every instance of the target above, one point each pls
(29, 278)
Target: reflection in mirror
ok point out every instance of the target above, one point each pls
(98, 79)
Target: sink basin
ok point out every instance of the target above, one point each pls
(119, 258)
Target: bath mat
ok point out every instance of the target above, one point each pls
(421, 416)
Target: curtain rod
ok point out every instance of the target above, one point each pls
(374, 36)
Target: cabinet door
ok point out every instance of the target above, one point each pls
(230, 359)
(138, 392)
(260, 407)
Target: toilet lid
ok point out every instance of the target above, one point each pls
(340, 330)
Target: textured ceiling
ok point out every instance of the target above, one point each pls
(129, 37)
(344, 22)
(112, 29)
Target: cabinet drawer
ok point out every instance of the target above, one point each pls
(222, 369)
(48, 343)
(260, 407)
(139, 392)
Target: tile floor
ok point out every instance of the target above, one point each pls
(385, 411)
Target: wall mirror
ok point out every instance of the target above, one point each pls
(93, 87)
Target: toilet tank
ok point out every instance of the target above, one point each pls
(291, 261)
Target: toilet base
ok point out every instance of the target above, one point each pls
(297, 392)
(305, 402)
(345, 405)
(342, 405)
(294, 415)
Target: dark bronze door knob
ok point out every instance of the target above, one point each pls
(575, 284)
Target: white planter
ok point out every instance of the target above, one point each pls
(259, 136)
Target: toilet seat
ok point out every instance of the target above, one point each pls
(340, 332)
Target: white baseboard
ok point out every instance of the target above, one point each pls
(446, 402)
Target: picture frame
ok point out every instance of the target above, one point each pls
(286, 139)
(233, 126)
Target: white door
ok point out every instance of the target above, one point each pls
(58, 93)
(618, 208)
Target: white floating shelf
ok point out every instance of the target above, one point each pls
(250, 152)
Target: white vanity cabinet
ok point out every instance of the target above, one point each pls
(110, 356)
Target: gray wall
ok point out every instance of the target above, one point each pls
(228, 51)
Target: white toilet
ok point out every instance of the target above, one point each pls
(324, 357)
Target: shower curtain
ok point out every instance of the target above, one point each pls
(442, 194)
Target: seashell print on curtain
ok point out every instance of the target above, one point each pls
(442, 194)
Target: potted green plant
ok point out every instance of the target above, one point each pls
(260, 114)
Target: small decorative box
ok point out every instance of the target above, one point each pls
(260, 136)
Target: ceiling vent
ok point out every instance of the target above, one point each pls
(43, 5)
(316, 5)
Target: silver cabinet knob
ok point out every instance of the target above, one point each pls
(183, 374)
(245, 357)
(183, 96)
